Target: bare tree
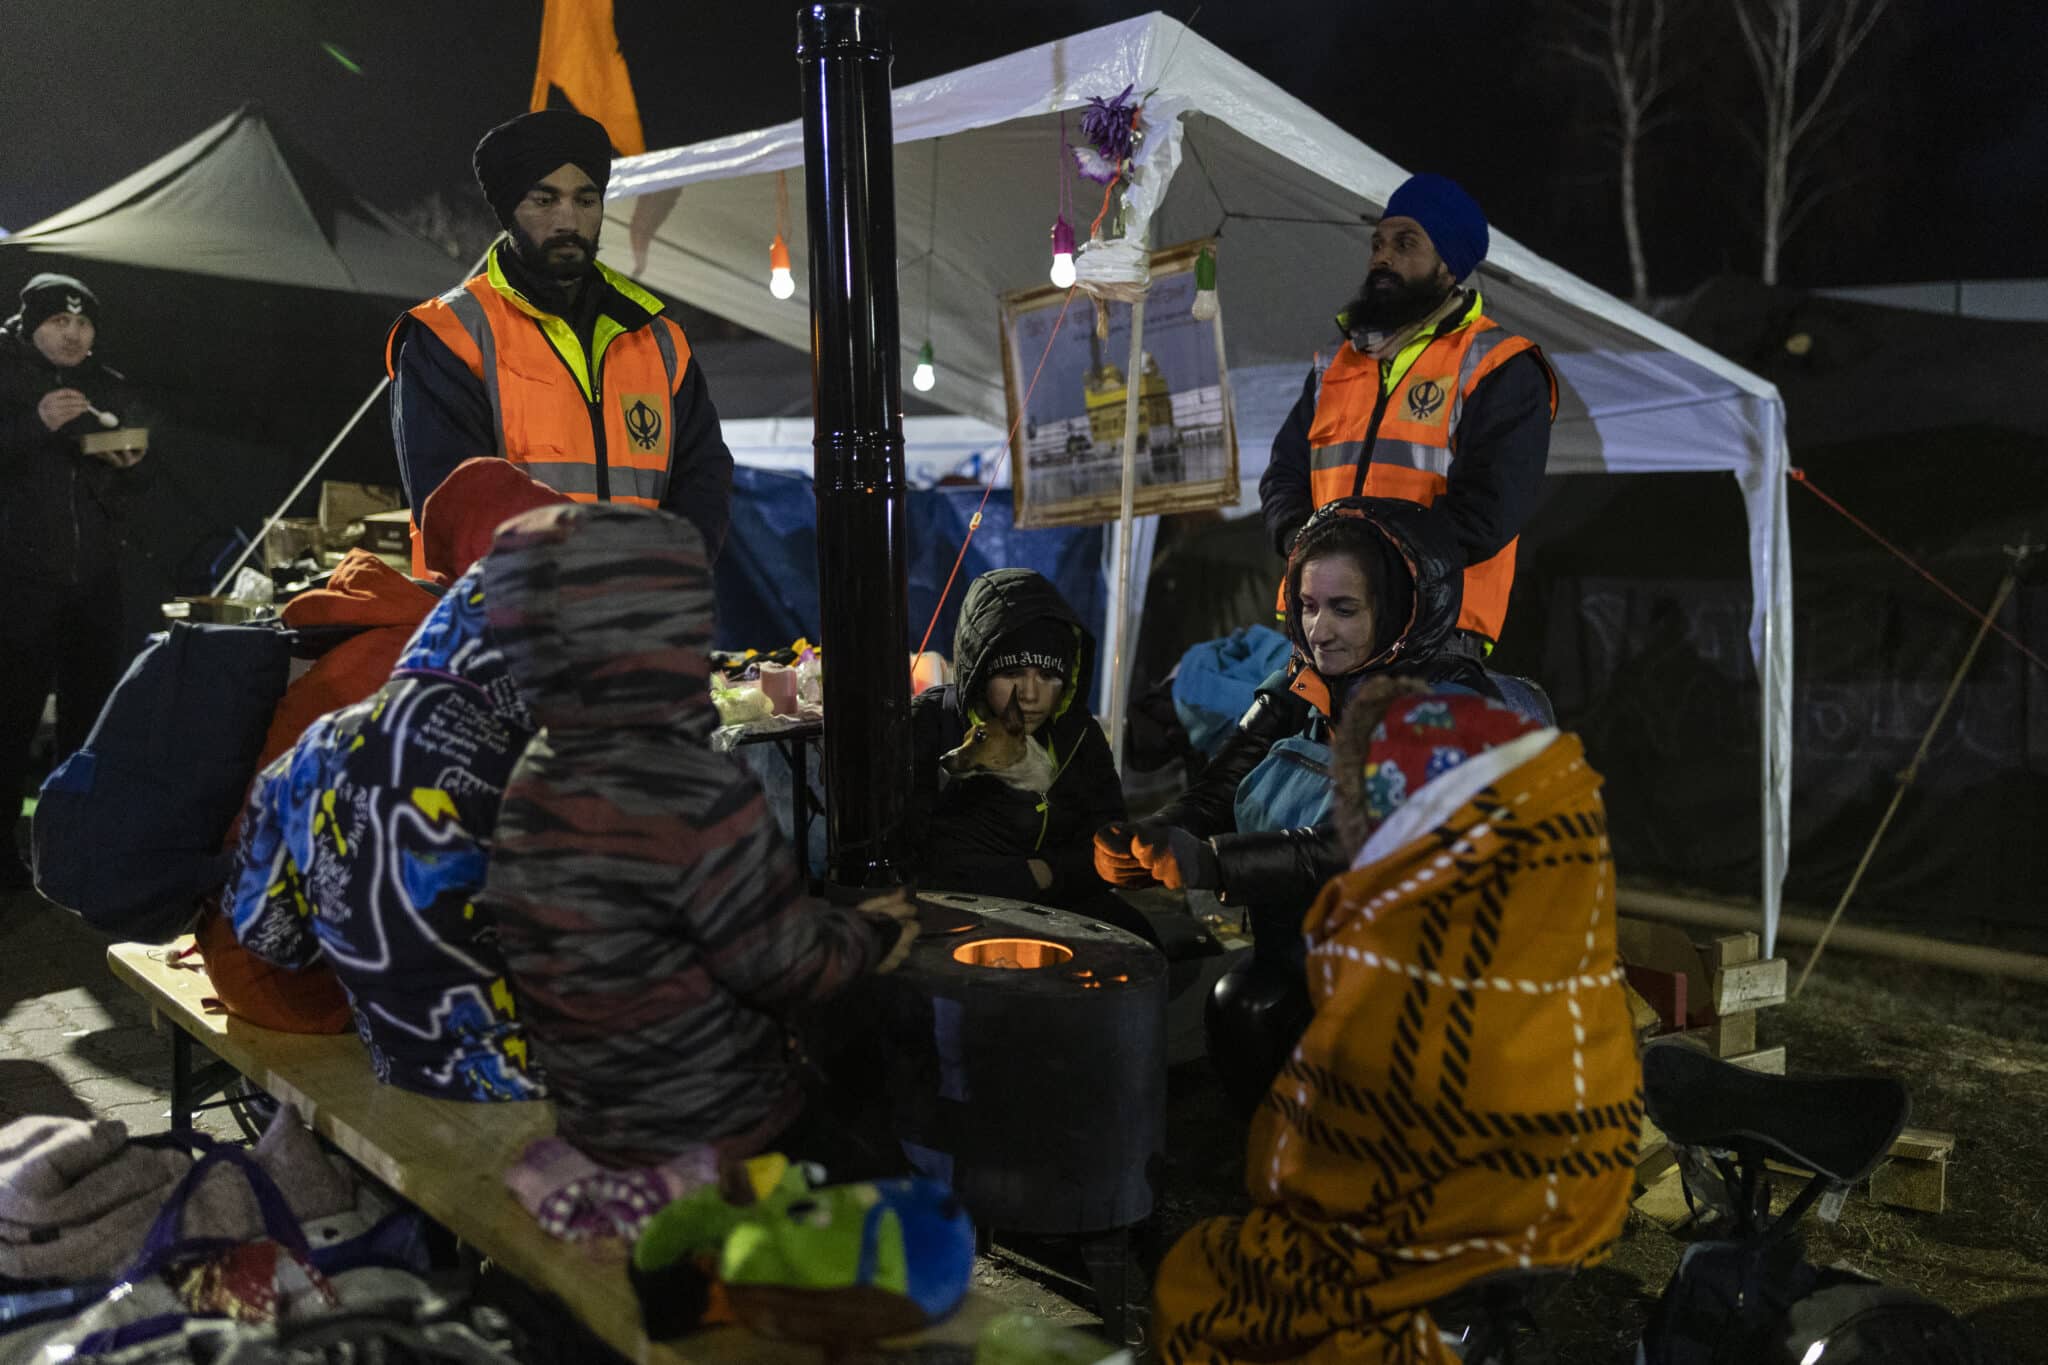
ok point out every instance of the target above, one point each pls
(1798, 50)
(1622, 41)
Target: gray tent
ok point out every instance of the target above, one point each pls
(239, 201)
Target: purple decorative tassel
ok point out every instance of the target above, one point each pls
(1107, 124)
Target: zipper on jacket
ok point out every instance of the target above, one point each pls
(1463, 313)
(1045, 802)
(1372, 436)
(604, 472)
(77, 532)
(600, 467)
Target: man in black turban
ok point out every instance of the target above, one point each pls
(544, 175)
(551, 359)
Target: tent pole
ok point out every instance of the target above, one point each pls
(300, 486)
(1120, 683)
(1912, 770)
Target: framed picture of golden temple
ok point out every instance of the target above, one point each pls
(1066, 457)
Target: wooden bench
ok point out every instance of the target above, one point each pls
(448, 1158)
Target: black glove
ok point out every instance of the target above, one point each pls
(1176, 859)
(1114, 861)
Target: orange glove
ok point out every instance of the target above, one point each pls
(1114, 860)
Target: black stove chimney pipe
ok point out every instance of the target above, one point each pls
(857, 405)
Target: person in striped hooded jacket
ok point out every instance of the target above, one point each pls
(655, 932)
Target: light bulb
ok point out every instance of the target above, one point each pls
(924, 376)
(781, 283)
(1062, 253)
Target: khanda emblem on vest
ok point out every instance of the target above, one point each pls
(643, 424)
(1424, 399)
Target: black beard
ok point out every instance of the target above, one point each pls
(535, 256)
(1386, 302)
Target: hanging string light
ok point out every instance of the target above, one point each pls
(781, 283)
(1204, 307)
(924, 377)
(1062, 273)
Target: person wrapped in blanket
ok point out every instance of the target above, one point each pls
(1374, 587)
(653, 924)
(365, 845)
(377, 609)
(1466, 1101)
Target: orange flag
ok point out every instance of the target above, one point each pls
(579, 53)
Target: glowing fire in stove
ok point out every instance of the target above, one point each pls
(1016, 953)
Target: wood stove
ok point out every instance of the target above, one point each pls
(1020, 1055)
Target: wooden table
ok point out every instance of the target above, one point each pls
(449, 1159)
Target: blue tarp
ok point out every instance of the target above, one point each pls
(767, 576)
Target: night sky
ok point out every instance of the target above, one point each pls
(1943, 154)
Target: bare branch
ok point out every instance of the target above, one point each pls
(1806, 203)
(1849, 37)
(1753, 42)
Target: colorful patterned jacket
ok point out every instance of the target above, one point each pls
(365, 845)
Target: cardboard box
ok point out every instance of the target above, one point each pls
(290, 537)
(388, 533)
(222, 611)
(343, 506)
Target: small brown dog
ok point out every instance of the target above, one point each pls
(1001, 749)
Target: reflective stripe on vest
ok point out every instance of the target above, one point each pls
(542, 388)
(1409, 454)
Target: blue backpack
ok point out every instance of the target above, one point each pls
(127, 831)
(1215, 682)
(1292, 788)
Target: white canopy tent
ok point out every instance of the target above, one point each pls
(1226, 153)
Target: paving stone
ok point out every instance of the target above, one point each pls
(110, 1092)
(72, 1038)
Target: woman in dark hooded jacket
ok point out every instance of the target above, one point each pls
(1017, 641)
(1373, 588)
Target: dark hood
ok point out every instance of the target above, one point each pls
(1429, 550)
(999, 602)
(604, 614)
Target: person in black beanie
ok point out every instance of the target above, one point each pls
(1018, 645)
(69, 441)
(552, 360)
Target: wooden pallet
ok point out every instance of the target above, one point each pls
(1710, 995)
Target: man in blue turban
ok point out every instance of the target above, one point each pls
(1426, 399)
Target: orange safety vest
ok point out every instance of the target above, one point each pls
(1392, 432)
(595, 427)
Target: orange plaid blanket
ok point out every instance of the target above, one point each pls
(1466, 1102)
